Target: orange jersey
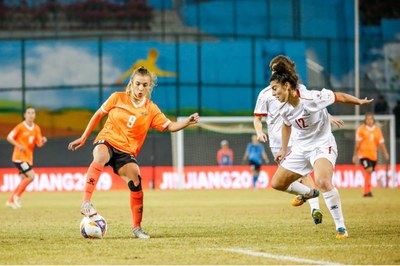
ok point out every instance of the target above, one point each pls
(225, 156)
(369, 138)
(29, 136)
(128, 123)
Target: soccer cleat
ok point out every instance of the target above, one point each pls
(88, 209)
(17, 201)
(369, 194)
(317, 216)
(342, 233)
(11, 205)
(138, 232)
(300, 199)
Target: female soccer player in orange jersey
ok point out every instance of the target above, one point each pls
(130, 115)
(25, 136)
(368, 137)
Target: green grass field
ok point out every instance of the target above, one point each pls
(202, 227)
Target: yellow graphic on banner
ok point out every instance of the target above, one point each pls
(150, 64)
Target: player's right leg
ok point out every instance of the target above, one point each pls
(101, 155)
(27, 175)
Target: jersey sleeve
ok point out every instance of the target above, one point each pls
(109, 103)
(14, 132)
(318, 100)
(261, 108)
(160, 122)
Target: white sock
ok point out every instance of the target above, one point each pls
(298, 188)
(332, 200)
(314, 203)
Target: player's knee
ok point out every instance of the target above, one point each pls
(133, 187)
(369, 170)
(30, 175)
(324, 184)
(276, 184)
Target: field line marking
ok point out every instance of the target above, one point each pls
(279, 257)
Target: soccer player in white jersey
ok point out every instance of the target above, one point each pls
(314, 146)
(268, 106)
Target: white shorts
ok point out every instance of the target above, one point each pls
(275, 150)
(302, 162)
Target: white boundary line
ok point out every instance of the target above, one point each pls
(279, 257)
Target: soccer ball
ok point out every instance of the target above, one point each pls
(93, 227)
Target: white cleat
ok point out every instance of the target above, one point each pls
(138, 232)
(17, 201)
(88, 209)
(11, 205)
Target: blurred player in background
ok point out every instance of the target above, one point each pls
(314, 146)
(130, 115)
(225, 154)
(368, 137)
(25, 136)
(254, 154)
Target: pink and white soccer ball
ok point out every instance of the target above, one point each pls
(93, 227)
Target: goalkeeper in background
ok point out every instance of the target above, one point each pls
(254, 154)
(368, 137)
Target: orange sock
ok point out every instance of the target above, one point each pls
(136, 207)
(93, 175)
(22, 186)
(367, 185)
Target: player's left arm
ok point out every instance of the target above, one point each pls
(178, 125)
(384, 150)
(382, 145)
(40, 139)
(341, 97)
(265, 156)
(335, 121)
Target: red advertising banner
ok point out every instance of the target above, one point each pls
(194, 177)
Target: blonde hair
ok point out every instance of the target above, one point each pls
(143, 72)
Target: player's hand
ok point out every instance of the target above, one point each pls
(387, 157)
(193, 119)
(21, 147)
(337, 122)
(76, 144)
(355, 159)
(262, 137)
(365, 101)
(279, 156)
(44, 140)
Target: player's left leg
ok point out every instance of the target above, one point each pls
(131, 174)
(256, 174)
(367, 182)
(323, 170)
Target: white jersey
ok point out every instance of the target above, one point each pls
(310, 119)
(267, 105)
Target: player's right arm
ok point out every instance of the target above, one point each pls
(357, 146)
(76, 144)
(355, 155)
(286, 132)
(11, 140)
(257, 122)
